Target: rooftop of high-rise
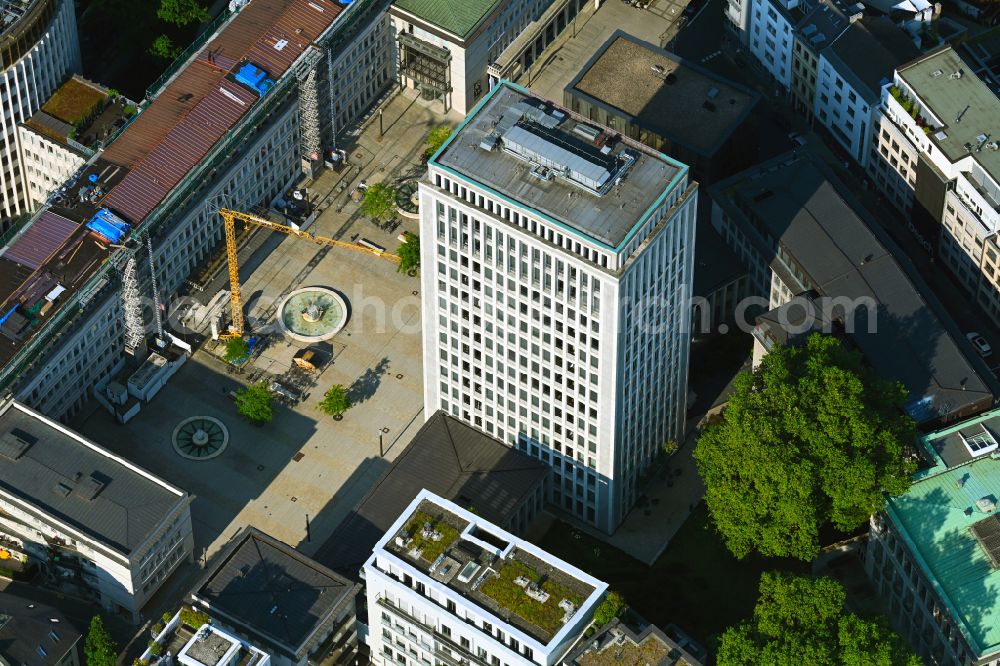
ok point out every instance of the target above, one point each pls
(583, 177)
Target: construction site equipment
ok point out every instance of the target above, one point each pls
(230, 217)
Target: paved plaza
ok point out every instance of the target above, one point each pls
(303, 468)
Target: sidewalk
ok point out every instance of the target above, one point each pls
(663, 507)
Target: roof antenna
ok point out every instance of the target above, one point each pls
(959, 119)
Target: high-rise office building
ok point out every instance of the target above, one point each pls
(557, 265)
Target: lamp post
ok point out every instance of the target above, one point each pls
(381, 453)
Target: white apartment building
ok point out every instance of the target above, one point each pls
(556, 281)
(114, 530)
(445, 48)
(39, 47)
(770, 38)
(445, 586)
(937, 158)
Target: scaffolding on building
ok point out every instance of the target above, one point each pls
(309, 138)
(132, 307)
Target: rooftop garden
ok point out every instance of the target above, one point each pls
(911, 108)
(650, 651)
(513, 597)
(74, 102)
(430, 542)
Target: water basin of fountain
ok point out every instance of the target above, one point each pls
(312, 314)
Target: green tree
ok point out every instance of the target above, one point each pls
(182, 12)
(236, 349)
(379, 202)
(99, 648)
(163, 47)
(809, 437)
(610, 608)
(801, 620)
(409, 254)
(254, 403)
(335, 401)
(435, 139)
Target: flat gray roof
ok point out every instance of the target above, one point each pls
(966, 106)
(797, 205)
(664, 93)
(73, 480)
(271, 591)
(605, 219)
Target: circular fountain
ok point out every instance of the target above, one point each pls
(200, 438)
(312, 314)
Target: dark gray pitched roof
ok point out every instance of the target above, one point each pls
(452, 460)
(837, 250)
(271, 591)
(76, 482)
(871, 49)
(24, 630)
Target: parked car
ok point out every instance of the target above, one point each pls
(797, 139)
(980, 343)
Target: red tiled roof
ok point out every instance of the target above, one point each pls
(192, 113)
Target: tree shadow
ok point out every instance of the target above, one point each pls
(364, 387)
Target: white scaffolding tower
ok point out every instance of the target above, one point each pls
(132, 306)
(310, 139)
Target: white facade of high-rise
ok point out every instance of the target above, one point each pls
(575, 353)
(36, 53)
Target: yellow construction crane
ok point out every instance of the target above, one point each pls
(230, 217)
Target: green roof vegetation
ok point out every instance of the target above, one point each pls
(650, 651)
(458, 18)
(430, 549)
(936, 517)
(74, 102)
(512, 597)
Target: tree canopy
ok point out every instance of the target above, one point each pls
(182, 12)
(801, 621)
(99, 648)
(163, 47)
(335, 401)
(409, 254)
(610, 608)
(379, 202)
(254, 403)
(809, 437)
(435, 139)
(236, 349)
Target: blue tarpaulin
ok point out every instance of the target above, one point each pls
(255, 78)
(108, 225)
(7, 316)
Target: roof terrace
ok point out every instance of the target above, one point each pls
(210, 646)
(580, 175)
(506, 577)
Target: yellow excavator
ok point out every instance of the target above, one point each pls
(231, 217)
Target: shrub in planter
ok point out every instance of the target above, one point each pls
(155, 648)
